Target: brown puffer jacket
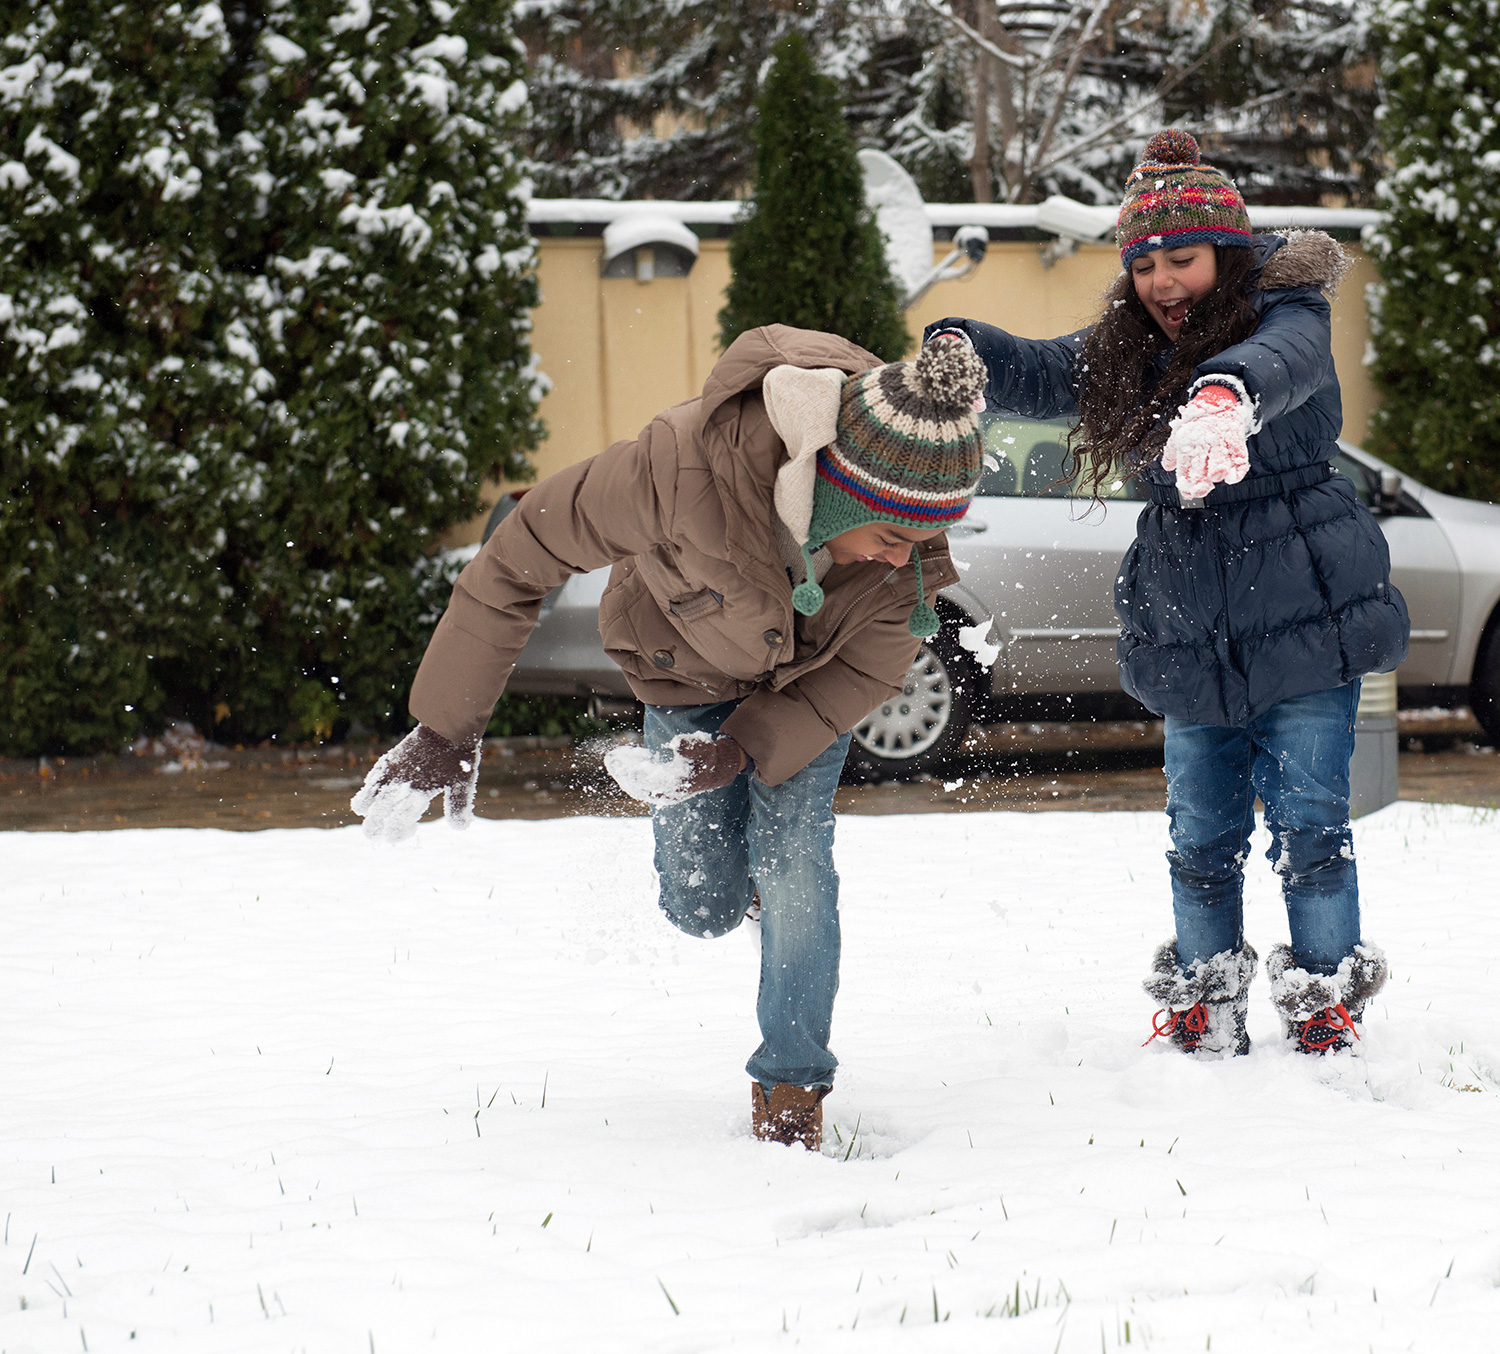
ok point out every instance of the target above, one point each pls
(699, 604)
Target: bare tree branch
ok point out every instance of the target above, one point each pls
(1045, 56)
(1069, 75)
(1104, 131)
(999, 53)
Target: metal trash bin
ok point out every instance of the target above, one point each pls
(1372, 769)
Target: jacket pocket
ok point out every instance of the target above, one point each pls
(695, 606)
(644, 644)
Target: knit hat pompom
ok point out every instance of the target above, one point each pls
(951, 374)
(1171, 147)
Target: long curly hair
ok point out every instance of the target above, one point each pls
(1124, 410)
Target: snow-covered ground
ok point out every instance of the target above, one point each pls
(291, 1091)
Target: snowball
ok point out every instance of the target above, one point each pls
(975, 639)
(654, 777)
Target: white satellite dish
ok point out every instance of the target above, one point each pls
(902, 217)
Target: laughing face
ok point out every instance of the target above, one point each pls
(1170, 282)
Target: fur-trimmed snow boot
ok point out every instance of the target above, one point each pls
(1204, 1006)
(1321, 1012)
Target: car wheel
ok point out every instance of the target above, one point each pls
(923, 727)
(1484, 691)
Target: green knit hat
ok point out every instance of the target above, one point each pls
(1172, 198)
(907, 451)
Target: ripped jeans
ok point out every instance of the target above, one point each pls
(1296, 757)
(714, 851)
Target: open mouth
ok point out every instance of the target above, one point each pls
(1176, 313)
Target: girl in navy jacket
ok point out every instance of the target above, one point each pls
(1256, 594)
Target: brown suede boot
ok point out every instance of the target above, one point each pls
(789, 1115)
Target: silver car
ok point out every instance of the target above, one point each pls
(1038, 563)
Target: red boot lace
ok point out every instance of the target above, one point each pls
(1325, 1028)
(1194, 1021)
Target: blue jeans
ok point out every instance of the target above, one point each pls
(1296, 757)
(714, 851)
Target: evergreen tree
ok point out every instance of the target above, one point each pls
(806, 250)
(264, 278)
(1436, 311)
(119, 440)
(386, 269)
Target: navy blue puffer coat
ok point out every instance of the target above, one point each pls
(1280, 585)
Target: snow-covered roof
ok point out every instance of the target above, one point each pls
(994, 215)
(599, 211)
(1318, 218)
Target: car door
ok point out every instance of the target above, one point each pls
(1423, 567)
(1044, 561)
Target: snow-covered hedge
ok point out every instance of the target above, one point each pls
(264, 276)
(1435, 314)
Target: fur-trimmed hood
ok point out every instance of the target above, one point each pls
(1302, 258)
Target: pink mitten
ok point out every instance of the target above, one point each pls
(1207, 441)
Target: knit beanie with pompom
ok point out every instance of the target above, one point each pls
(1172, 198)
(907, 451)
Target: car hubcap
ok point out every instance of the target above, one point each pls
(907, 728)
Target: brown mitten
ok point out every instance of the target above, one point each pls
(714, 764)
(401, 784)
(689, 765)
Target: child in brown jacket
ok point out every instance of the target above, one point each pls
(775, 545)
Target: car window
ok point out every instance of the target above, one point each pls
(1027, 458)
(1366, 483)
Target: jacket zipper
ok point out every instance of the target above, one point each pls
(887, 578)
(884, 580)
